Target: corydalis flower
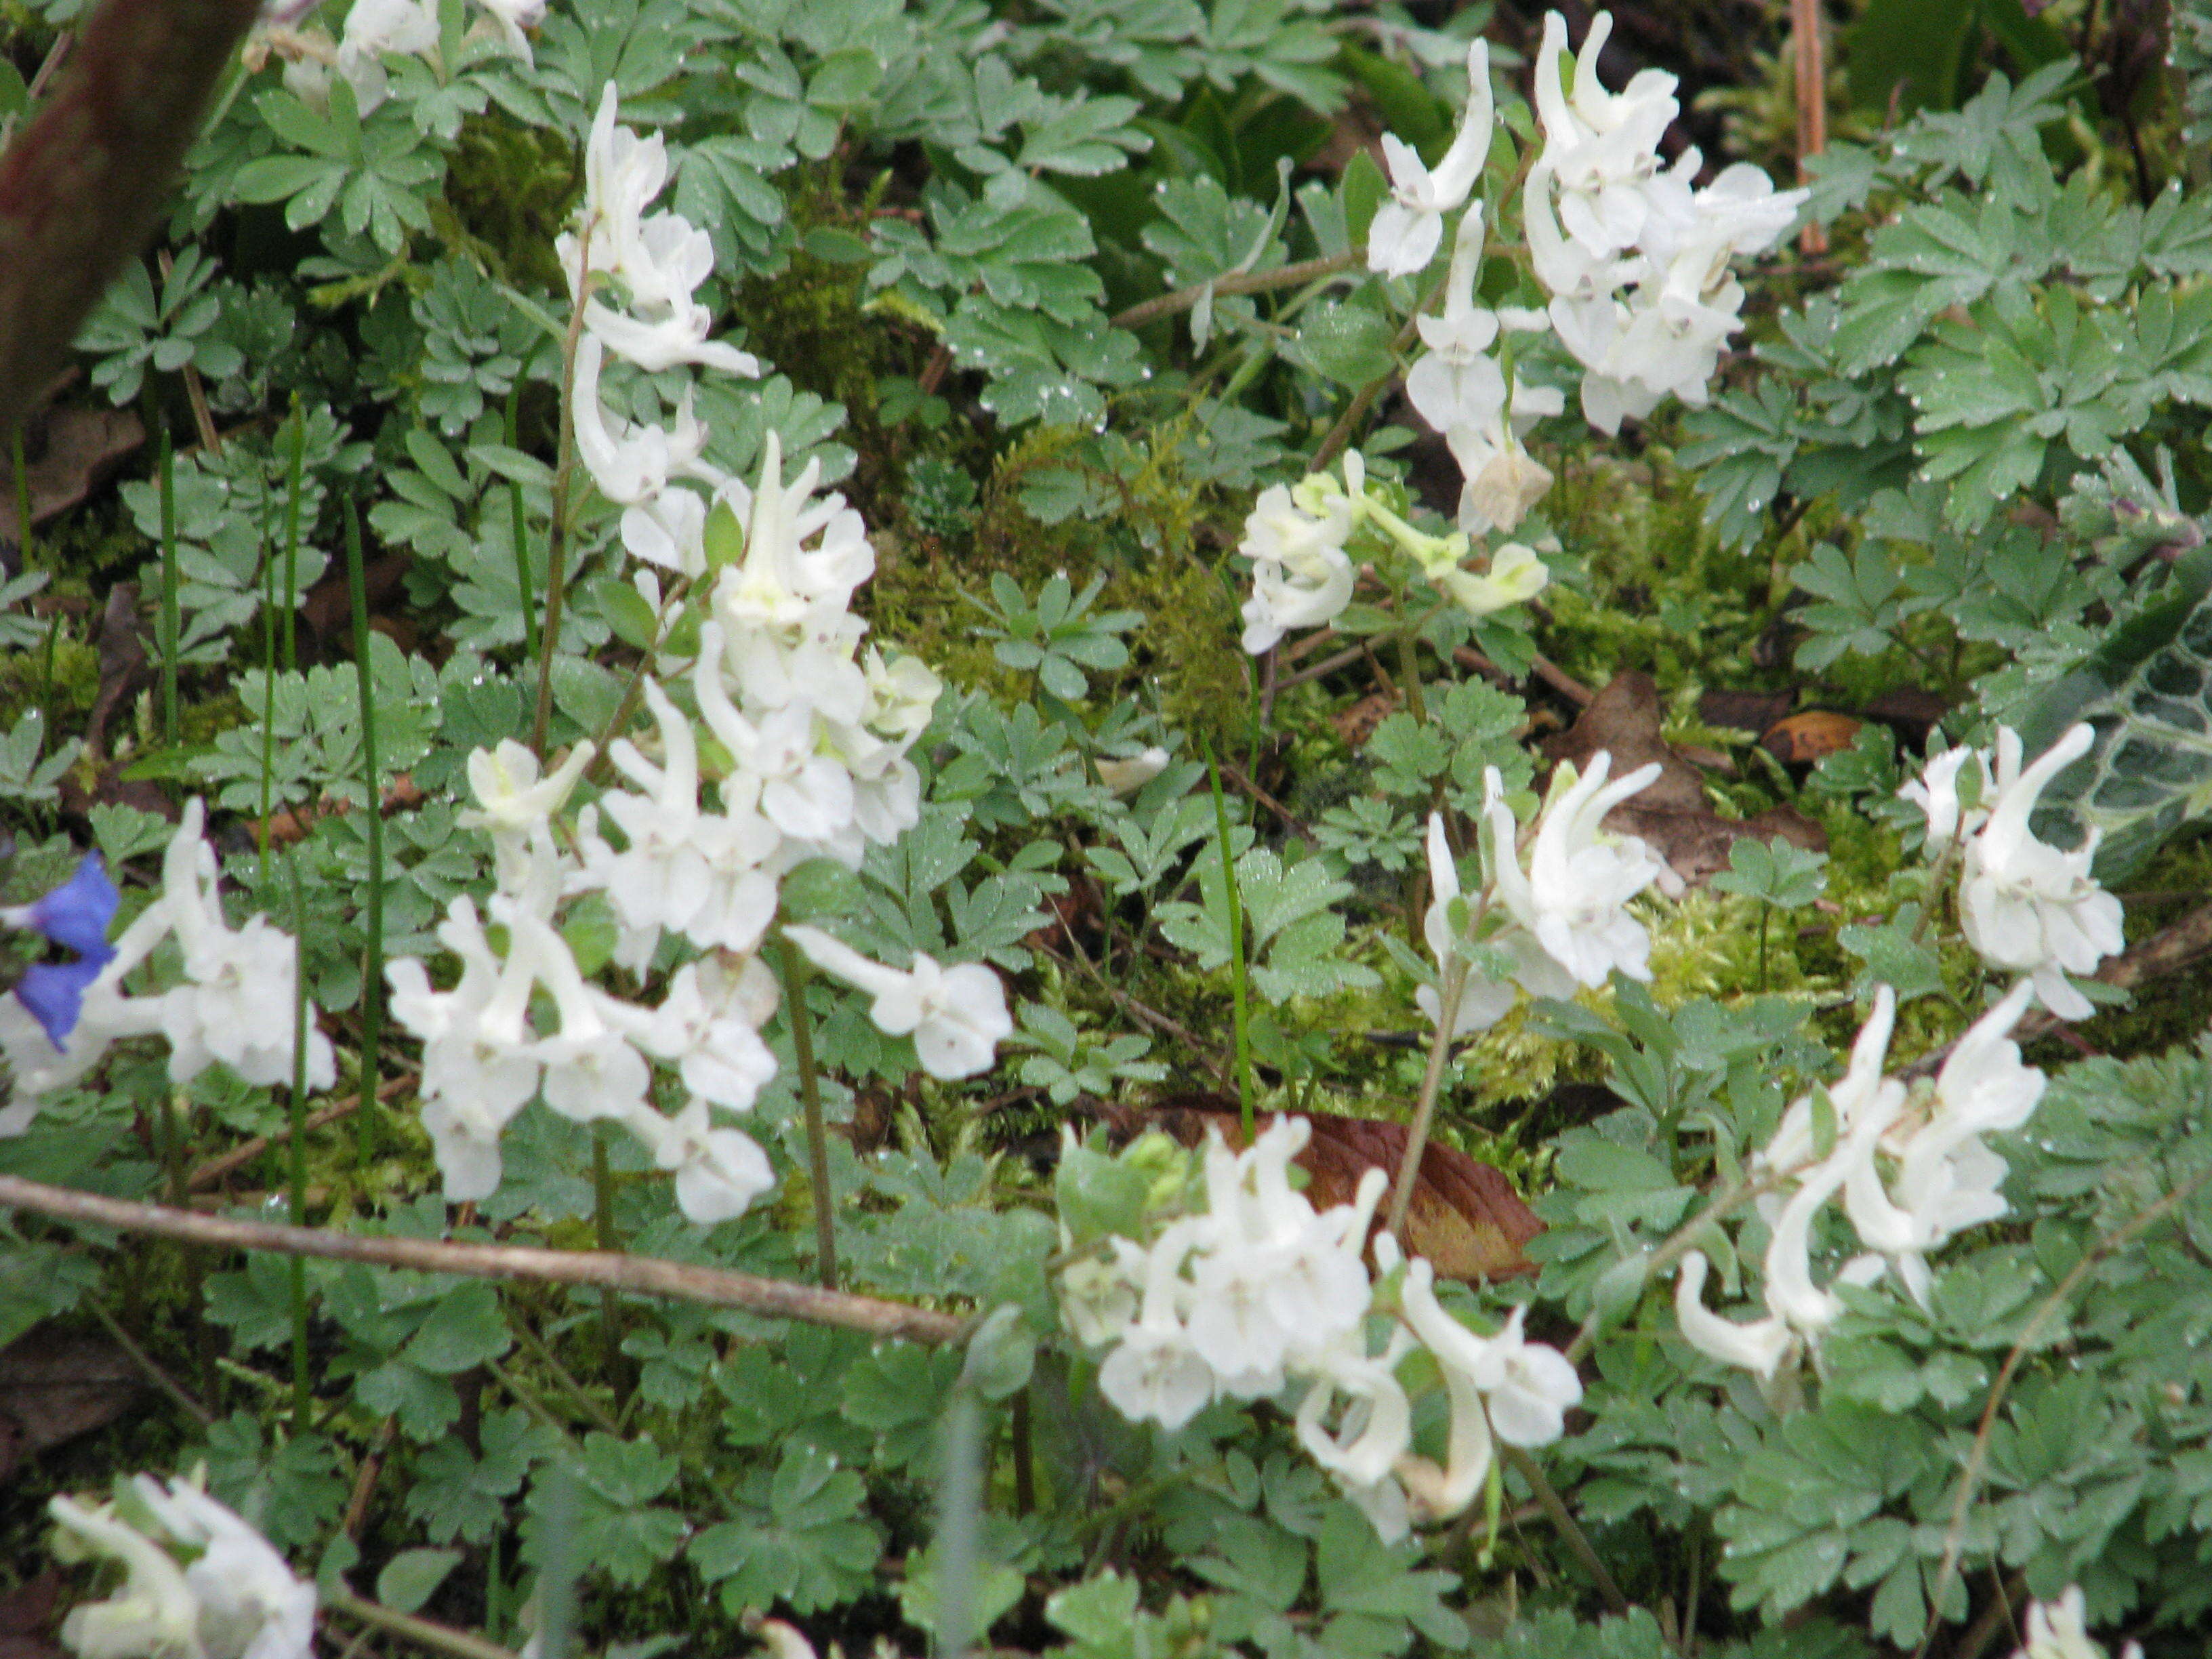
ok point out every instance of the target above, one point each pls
(199, 1582)
(1301, 574)
(1408, 229)
(2027, 906)
(956, 1015)
(1571, 900)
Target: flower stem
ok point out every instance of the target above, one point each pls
(557, 534)
(519, 525)
(370, 1116)
(438, 1639)
(1451, 982)
(169, 628)
(303, 1393)
(608, 1238)
(792, 972)
(1239, 998)
(293, 474)
(1556, 1509)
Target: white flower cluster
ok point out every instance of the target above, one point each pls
(235, 1003)
(1911, 1167)
(1457, 386)
(1259, 1293)
(1635, 256)
(198, 1582)
(1301, 576)
(2025, 905)
(656, 261)
(810, 738)
(1561, 923)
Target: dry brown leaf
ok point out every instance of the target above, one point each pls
(1623, 719)
(1465, 1216)
(1803, 739)
(81, 447)
(26, 1614)
(1357, 723)
(1745, 711)
(55, 1386)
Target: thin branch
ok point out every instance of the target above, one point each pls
(216, 1169)
(1245, 281)
(642, 1274)
(144, 1361)
(423, 1632)
(1569, 1529)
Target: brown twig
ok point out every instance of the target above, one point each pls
(81, 185)
(212, 1172)
(642, 1275)
(1811, 65)
(146, 1362)
(1244, 282)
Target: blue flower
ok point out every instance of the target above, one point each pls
(75, 916)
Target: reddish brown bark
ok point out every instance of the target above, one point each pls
(81, 185)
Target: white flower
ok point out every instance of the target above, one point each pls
(2059, 1629)
(237, 1004)
(956, 1015)
(153, 1614)
(2027, 906)
(251, 1605)
(373, 28)
(631, 464)
(698, 873)
(1301, 574)
(1456, 382)
(1758, 1345)
(1407, 229)
(707, 1027)
(514, 803)
(515, 18)
(1516, 576)
(718, 1172)
(1502, 480)
(1154, 1372)
(1528, 1386)
(1481, 1003)
(1572, 899)
(236, 1599)
(1936, 793)
(1599, 146)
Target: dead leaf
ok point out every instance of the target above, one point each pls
(1465, 1216)
(296, 823)
(57, 1385)
(1671, 814)
(1357, 723)
(1803, 739)
(1745, 711)
(1911, 712)
(80, 449)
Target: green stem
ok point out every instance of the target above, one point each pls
(1451, 982)
(1569, 1530)
(557, 534)
(303, 1393)
(793, 974)
(295, 472)
(169, 626)
(370, 1114)
(1409, 668)
(437, 1638)
(520, 526)
(1239, 1003)
(608, 1238)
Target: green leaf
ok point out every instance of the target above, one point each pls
(413, 1577)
